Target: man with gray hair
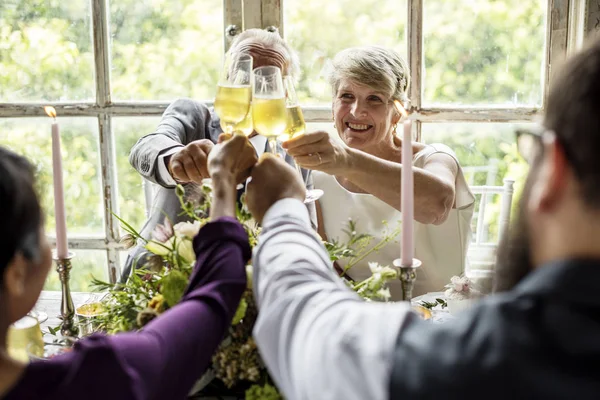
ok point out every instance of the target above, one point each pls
(177, 151)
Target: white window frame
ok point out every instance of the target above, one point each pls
(567, 22)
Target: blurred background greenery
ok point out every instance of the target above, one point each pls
(476, 52)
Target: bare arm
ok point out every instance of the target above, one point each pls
(434, 183)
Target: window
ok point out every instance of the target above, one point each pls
(110, 68)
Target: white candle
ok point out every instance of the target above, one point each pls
(62, 250)
(407, 206)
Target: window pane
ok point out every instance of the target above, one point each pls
(83, 202)
(487, 153)
(86, 264)
(484, 51)
(163, 49)
(132, 205)
(317, 30)
(46, 51)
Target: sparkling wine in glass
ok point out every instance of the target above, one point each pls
(296, 126)
(268, 104)
(234, 92)
(246, 126)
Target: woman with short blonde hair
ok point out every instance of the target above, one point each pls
(361, 174)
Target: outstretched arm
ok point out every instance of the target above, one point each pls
(183, 122)
(317, 337)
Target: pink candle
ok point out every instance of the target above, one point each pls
(408, 204)
(62, 250)
(407, 187)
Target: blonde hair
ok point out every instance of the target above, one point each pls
(376, 67)
(269, 40)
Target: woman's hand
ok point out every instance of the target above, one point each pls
(319, 151)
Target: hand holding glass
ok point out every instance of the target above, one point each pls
(296, 127)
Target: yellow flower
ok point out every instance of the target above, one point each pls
(157, 303)
(160, 249)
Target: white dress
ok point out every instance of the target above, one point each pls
(441, 248)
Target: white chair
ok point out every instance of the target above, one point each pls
(490, 171)
(481, 257)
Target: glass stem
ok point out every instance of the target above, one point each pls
(273, 144)
(299, 170)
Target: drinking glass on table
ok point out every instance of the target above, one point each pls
(234, 94)
(296, 127)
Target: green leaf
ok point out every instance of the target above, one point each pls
(173, 287)
(240, 313)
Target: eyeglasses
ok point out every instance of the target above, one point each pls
(530, 143)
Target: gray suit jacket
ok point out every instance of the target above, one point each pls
(183, 122)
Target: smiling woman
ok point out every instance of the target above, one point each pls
(359, 173)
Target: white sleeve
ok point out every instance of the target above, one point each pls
(319, 339)
(163, 171)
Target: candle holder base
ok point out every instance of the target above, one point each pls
(67, 309)
(407, 275)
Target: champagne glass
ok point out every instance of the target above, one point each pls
(246, 126)
(296, 127)
(24, 334)
(234, 93)
(268, 104)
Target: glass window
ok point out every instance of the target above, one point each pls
(86, 264)
(31, 138)
(132, 204)
(165, 49)
(317, 30)
(46, 51)
(487, 153)
(484, 51)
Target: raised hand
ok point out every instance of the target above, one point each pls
(233, 156)
(272, 180)
(190, 163)
(318, 151)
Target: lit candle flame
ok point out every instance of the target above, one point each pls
(400, 108)
(50, 111)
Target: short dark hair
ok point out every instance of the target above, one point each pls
(20, 210)
(573, 113)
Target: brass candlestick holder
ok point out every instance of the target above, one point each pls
(407, 275)
(67, 309)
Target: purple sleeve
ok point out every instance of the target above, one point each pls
(164, 359)
(174, 350)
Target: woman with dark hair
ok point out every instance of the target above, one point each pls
(164, 359)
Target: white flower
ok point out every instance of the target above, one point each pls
(384, 294)
(185, 248)
(374, 267)
(188, 229)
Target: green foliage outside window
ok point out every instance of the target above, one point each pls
(475, 53)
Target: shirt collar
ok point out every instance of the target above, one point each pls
(572, 280)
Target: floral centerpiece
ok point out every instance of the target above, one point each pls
(460, 294)
(161, 277)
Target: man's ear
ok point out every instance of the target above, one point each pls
(552, 180)
(15, 276)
